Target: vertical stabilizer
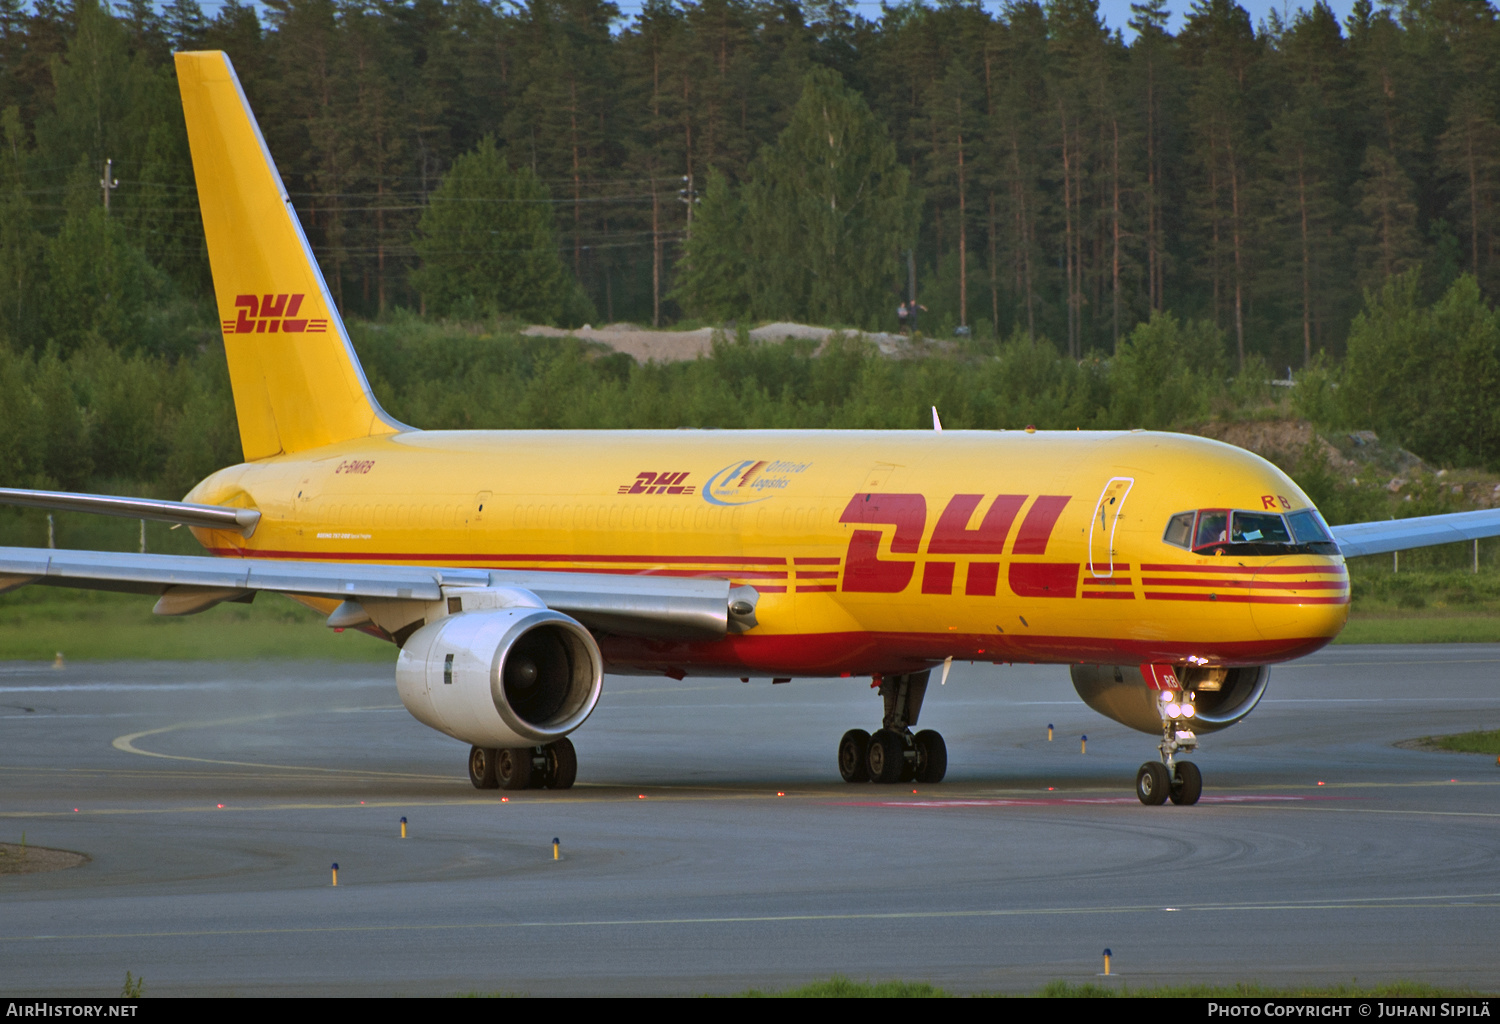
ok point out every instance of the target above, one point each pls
(297, 383)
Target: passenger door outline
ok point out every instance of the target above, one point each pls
(1105, 522)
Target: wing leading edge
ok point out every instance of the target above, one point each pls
(1380, 538)
(628, 605)
(184, 513)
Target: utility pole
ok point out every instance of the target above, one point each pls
(688, 196)
(911, 289)
(108, 184)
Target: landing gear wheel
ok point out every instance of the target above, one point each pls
(908, 764)
(853, 749)
(482, 767)
(886, 756)
(1152, 783)
(562, 765)
(932, 756)
(513, 767)
(1187, 787)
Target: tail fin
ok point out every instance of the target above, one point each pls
(296, 381)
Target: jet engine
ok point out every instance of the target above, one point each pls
(1219, 697)
(504, 677)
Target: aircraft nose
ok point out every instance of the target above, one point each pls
(1298, 597)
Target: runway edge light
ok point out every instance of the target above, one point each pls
(1107, 955)
(556, 848)
(403, 827)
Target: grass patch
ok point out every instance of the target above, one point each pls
(1468, 742)
(1420, 629)
(839, 987)
(38, 622)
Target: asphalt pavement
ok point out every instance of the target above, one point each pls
(710, 847)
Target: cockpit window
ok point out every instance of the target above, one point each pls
(1233, 532)
(1180, 529)
(1307, 527)
(1212, 529)
(1259, 528)
(1311, 532)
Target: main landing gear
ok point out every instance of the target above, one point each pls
(1169, 778)
(554, 766)
(893, 753)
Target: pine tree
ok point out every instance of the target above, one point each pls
(711, 280)
(1470, 154)
(829, 210)
(1386, 234)
(488, 245)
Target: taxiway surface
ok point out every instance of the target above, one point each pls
(213, 798)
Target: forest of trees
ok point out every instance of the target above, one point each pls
(1068, 183)
(1138, 234)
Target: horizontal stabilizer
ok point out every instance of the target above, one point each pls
(1385, 536)
(209, 517)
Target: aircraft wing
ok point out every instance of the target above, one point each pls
(628, 605)
(1383, 537)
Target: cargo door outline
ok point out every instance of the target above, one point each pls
(1104, 524)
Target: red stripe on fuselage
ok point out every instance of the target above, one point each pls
(1306, 570)
(852, 653)
(1247, 598)
(1158, 581)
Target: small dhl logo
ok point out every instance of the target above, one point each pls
(271, 314)
(658, 483)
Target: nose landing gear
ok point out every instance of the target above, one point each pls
(894, 753)
(1179, 781)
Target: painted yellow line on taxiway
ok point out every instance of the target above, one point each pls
(127, 745)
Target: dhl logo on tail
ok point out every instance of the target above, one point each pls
(272, 314)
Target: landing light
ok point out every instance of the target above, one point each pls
(1187, 711)
(1173, 710)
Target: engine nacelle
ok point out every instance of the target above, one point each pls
(1221, 696)
(503, 677)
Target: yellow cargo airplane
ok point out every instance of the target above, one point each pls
(513, 568)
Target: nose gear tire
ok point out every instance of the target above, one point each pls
(1152, 784)
(1187, 787)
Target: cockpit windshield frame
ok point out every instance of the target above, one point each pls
(1255, 532)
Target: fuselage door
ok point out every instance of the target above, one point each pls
(1106, 519)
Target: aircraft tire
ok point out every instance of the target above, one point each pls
(513, 768)
(1152, 784)
(1187, 787)
(886, 756)
(562, 765)
(482, 768)
(932, 756)
(853, 751)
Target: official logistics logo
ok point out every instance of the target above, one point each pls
(750, 481)
(272, 314)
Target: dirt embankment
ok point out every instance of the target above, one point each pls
(16, 859)
(645, 345)
(1360, 457)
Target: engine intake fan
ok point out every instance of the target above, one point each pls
(506, 677)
